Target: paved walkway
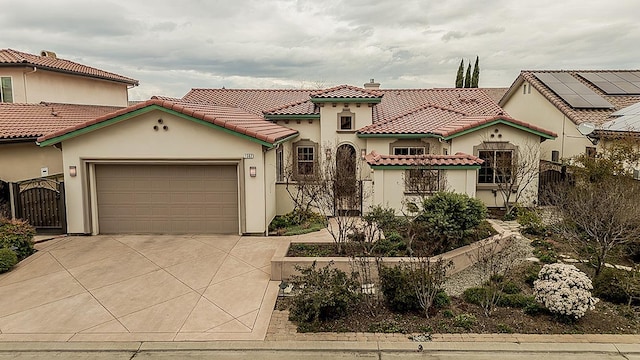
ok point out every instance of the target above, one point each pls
(141, 288)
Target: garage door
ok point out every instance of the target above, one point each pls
(167, 199)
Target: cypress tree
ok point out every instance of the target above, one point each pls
(467, 77)
(460, 76)
(476, 74)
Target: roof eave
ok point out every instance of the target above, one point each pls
(346, 100)
(48, 68)
(430, 167)
(499, 121)
(292, 116)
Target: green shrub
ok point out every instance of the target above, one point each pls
(475, 295)
(7, 259)
(516, 300)
(297, 222)
(385, 247)
(615, 286)
(323, 294)
(531, 222)
(448, 313)
(509, 287)
(534, 309)
(452, 214)
(505, 329)
(17, 235)
(385, 218)
(465, 321)
(399, 293)
(442, 300)
(544, 251)
(386, 326)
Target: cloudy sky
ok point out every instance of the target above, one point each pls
(172, 46)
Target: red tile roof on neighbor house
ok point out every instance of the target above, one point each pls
(577, 115)
(10, 57)
(29, 121)
(231, 118)
(427, 160)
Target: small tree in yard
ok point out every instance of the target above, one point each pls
(600, 211)
(333, 189)
(513, 171)
(428, 276)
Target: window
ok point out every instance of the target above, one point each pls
(421, 181)
(306, 159)
(346, 120)
(346, 123)
(6, 90)
(496, 167)
(279, 164)
(408, 150)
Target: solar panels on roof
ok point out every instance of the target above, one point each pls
(571, 90)
(615, 83)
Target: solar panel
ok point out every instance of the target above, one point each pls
(615, 83)
(571, 90)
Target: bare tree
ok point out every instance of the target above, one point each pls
(494, 259)
(428, 276)
(600, 210)
(513, 170)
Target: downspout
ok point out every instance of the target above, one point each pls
(24, 81)
(564, 120)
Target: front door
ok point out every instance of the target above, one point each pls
(347, 187)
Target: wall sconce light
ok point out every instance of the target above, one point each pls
(363, 153)
(73, 171)
(253, 172)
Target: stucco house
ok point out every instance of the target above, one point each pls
(216, 160)
(562, 100)
(30, 79)
(43, 93)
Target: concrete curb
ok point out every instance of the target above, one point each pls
(327, 346)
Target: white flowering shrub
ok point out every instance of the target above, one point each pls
(564, 290)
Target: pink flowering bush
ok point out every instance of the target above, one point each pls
(564, 290)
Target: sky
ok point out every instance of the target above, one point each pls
(172, 46)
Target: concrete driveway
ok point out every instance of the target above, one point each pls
(141, 288)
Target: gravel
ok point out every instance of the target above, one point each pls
(515, 253)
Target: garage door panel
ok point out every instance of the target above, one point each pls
(167, 198)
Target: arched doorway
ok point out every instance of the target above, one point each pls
(347, 188)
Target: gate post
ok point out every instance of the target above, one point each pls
(14, 191)
(62, 207)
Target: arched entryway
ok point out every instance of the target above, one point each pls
(348, 190)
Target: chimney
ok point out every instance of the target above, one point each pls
(372, 85)
(47, 53)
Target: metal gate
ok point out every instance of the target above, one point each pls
(41, 203)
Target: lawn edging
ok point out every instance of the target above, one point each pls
(283, 267)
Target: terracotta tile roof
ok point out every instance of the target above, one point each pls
(471, 101)
(578, 116)
(422, 120)
(29, 121)
(303, 107)
(470, 122)
(231, 118)
(495, 93)
(459, 159)
(255, 101)
(345, 92)
(9, 57)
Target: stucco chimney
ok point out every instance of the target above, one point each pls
(372, 85)
(47, 53)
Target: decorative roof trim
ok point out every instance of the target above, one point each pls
(455, 134)
(346, 100)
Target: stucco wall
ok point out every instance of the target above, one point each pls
(134, 139)
(23, 161)
(527, 144)
(34, 87)
(535, 109)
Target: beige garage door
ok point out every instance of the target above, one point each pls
(167, 199)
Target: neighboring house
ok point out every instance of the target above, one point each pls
(31, 79)
(561, 100)
(20, 126)
(217, 159)
(43, 93)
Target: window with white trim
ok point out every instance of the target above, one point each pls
(346, 120)
(6, 89)
(408, 150)
(306, 157)
(279, 164)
